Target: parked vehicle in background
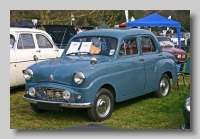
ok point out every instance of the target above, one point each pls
(100, 67)
(24, 44)
(168, 46)
(186, 113)
(174, 38)
(60, 34)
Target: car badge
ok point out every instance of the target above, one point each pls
(51, 77)
(58, 94)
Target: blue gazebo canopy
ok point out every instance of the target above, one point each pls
(156, 20)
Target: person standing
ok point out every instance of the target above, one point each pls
(79, 30)
(168, 36)
(169, 31)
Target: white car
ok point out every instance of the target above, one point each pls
(174, 38)
(24, 44)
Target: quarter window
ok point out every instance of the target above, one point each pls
(25, 42)
(43, 42)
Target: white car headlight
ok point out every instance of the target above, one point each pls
(183, 56)
(178, 56)
(187, 104)
(79, 78)
(31, 92)
(66, 95)
(28, 74)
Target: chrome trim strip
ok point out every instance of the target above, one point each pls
(66, 105)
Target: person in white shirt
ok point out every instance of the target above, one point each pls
(79, 30)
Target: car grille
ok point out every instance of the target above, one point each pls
(50, 94)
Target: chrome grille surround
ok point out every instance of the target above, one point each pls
(52, 94)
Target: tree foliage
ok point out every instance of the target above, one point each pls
(95, 17)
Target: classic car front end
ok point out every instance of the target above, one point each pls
(96, 70)
(168, 46)
(186, 113)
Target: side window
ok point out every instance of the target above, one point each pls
(128, 47)
(147, 45)
(43, 42)
(25, 42)
(12, 40)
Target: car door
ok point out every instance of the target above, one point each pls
(150, 56)
(13, 61)
(25, 50)
(132, 67)
(46, 47)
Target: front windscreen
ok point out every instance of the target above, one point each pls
(97, 45)
(165, 42)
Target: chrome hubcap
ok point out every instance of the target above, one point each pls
(164, 87)
(103, 106)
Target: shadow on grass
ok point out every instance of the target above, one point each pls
(129, 102)
(17, 89)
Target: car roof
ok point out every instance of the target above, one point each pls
(114, 32)
(18, 29)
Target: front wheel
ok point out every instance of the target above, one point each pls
(164, 86)
(103, 106)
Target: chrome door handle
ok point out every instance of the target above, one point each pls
(160, 55)
(141, 59)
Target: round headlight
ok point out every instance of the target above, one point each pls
(66, 95)
(79, 78)
(178, 56)
(187, 104)
(31, 92)
(28, 74)
(183, 56)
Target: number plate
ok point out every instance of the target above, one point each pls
(47, 106)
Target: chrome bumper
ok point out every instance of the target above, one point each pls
(62, 104)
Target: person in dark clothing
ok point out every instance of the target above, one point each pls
(168, 36)
(169, 31)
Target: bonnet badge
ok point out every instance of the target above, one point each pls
(51, 77)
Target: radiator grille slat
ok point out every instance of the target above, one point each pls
(50, 94)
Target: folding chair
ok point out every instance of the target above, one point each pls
(186, 70)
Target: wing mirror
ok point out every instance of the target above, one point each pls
(35, 57)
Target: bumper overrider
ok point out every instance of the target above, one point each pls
(59, 97)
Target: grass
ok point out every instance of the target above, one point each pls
(145, 112)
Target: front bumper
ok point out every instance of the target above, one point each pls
(62, 104)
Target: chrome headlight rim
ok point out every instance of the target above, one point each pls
(66, 95)
(179, 56)
(32, 92)
(183, 56)
(28, 74)
(79, 78)
(187, 104)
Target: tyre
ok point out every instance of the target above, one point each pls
(164, 86)
(103, 106)
(35, 108)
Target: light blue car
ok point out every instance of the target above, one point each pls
(98, 68)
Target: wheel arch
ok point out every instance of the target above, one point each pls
(111, 89)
